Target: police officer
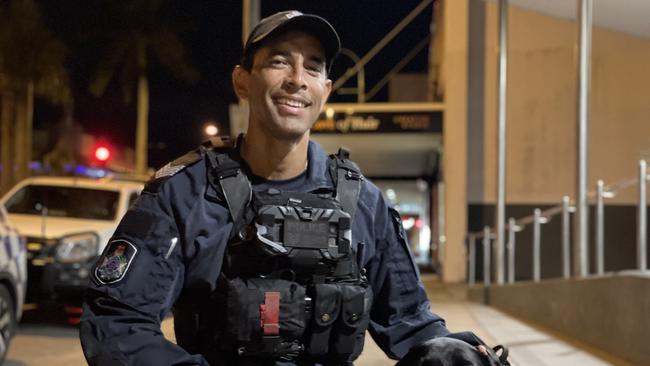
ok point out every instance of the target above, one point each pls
(269, 251)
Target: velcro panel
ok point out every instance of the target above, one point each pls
(270, 314)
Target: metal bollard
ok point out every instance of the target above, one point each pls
(566, 241)
(512, 229)
(472, 260)
(600, 227)
(641, 219)
(538, 220)
(536, 239)
(486, 256)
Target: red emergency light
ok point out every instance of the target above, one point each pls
(102, 153)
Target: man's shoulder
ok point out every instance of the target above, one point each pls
(189, 168)
(370, 194)
(169, 173)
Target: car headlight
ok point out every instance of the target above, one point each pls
(77, 248)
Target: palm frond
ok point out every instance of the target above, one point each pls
(172, 55)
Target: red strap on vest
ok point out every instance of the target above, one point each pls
(270, 314)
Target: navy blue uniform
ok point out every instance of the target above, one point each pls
(175, 236)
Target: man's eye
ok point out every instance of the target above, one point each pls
(278, 62)
(315, 69)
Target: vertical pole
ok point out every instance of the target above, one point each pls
(7, 127)
(361, 76)
(584, 72)
(501, 143)
(245, 20)
(239, 114)
(486, 256)
(537, 218)
(142, 124)
(642, 215)
(472, 260)
(600, 227)
(511, 250)
(566, 242)
(29, 130)
(250, 17)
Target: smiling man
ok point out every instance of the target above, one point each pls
(269, 251)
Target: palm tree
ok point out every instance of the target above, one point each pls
(141, 32)
(31, 63)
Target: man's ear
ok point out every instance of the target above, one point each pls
(240, 82)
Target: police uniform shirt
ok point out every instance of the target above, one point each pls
(176, 234)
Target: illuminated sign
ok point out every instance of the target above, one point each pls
(379, 122)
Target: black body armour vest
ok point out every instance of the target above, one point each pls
(290, 287)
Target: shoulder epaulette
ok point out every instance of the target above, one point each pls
(172, 168)
(178, 164)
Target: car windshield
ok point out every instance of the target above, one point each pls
(59, 201)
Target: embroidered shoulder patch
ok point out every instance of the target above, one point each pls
(115, 262)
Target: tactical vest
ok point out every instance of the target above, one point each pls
(290, 286)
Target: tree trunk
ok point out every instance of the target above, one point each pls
(29, 127)
(20, 136)
(142, 129)
(142, 133)
(6, 141)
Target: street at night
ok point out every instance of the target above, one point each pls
(367, 183)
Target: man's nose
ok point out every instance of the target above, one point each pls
(296, 77)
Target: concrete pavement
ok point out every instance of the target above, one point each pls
(529, 345)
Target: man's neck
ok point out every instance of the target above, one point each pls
(274, 159)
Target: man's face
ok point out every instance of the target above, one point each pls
(287, 85)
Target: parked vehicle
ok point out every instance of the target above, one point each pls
(67, 222)
(13, 281)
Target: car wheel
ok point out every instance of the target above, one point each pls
(7, 321)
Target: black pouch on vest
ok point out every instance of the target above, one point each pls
(248, 300)
(327, 303)
(353, 320)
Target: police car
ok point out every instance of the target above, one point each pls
(67, 222)
(13, 280)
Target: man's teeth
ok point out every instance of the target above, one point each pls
(291, 102)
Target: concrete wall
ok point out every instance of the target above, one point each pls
(542, 108)
(611, 313)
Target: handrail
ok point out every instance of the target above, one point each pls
(610, 191)
(540, 217)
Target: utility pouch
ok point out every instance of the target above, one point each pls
(340, 317)
(265, 317)
(326, 305)
(353, 320)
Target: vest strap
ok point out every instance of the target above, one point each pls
(348, 179)
(234, 184)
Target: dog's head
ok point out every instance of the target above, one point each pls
(446, 351)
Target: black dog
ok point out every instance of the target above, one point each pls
(446, 351)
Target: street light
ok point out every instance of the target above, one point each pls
(361, 78)
(211, 130)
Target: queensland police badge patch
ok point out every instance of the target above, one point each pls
(115, 261)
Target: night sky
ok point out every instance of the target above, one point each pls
(178, 110)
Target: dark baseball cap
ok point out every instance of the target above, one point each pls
(292, 20)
